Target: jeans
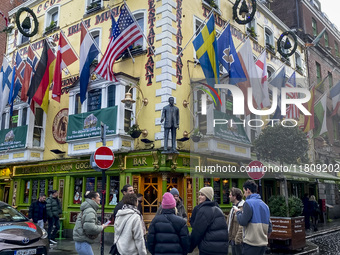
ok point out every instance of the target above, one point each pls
(84, 248)
(40, 223)
(54, 221)
(236, 249)
(252, 250)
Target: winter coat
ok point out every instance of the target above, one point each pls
(37, 211)
(180, 210)
(53, 207)
(129, 232)
(87, 221)
(255, 218)
(209, 229)
(235, 229)
(168, 234)
(118, 207)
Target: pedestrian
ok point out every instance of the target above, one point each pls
(87, 226)
(209, 228)
(127, 189)
(140, 201)
(315, 210)
(53, 210)
(255, 218)
(234, 229)
(168, 233)
(306, 211)
(37, 211)
(181, 212)
(129, 236)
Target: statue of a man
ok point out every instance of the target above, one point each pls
(170, 114)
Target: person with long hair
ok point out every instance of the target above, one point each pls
(87, 227)
(314, 212)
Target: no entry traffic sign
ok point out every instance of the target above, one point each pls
(104, 157)
(255, 170)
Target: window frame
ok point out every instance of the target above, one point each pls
(23, 188)
(314, 27)
(270, 35)
(330, 79)
(141, 13)
(94, 32)
(48, 15)
(336, 48)
(326, 38)
(89, 2)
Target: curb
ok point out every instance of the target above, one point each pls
(324, 232)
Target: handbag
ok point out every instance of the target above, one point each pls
(114, 249)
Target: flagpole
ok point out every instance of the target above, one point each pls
(95, 43)
(194, 35)
(134, 19)
(112, 15)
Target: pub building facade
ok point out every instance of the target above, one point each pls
(52, 150)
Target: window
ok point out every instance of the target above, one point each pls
(298, 62)
(96, 37)
(33, 187)
(212, 3)
(94, 100)
(330, 79)
(114, 190)
(326, 39)
(77, 108)
(221, 189)
(140, 20)
(52, 18)
(229, 104)
(27, 187)
(270, 71)
(111, 98)
(78, 190)
(93, 5)
(202, 119)
(314, 27)
(269, 37)
(3, 121)
(90, 182)
(252, 28)
(336, 46)
(38, 127)
(318, 72)
(24, 117)
(127, 113)
(13, 121)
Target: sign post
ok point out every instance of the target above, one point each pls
(103, 159)
(255, 171)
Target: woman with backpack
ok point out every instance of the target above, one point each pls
(209, 227)
(87, 226)
(168, 233)
(129, 234)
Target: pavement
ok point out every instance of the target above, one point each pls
(66, 246)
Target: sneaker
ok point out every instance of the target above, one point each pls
(53, 242)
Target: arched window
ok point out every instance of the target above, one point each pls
(52, 18)
(269, 38)
(97, 39)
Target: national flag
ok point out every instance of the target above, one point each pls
(88, 52)
(7, 72)
(205, 45)
(17, 81)
(39, 89)
(30, 67)
(65, 57)
(317, 39)
(335, 95)
(309, 120)
(228, 57)
(279, 81)
(292, 111)
(320, 111)
(261, 67)
(253, 80)
(126, 32)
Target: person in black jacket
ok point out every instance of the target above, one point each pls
(168, 233)
(37, 211)
(127, 189)
(209, 227)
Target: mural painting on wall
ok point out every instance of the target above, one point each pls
(149, 66)
(179, 38)
(59, 127)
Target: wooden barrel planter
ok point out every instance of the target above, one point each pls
(288, 233)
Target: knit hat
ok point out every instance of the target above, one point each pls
(174, 191)
(208, 192)
(168, 201)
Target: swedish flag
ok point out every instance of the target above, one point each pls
(205, 45)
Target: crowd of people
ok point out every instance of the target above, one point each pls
(245, 229)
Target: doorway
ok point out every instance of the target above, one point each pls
(152, 192)
(5, 197)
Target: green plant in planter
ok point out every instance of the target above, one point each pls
(212, 4)
(51, 26)
(252, 32)
(91, 6)
(196, 135)
(134, 131)
(270, 47)
(278, 208)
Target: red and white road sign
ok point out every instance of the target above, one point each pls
(255, 170)
(104, 157)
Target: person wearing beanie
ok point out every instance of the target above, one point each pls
(168, 233)
(181, 212)
(209, 228)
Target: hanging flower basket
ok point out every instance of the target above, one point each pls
(135, 131)
(135, 134)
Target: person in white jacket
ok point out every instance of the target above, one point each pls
(129, 236)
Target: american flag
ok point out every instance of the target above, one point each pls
(125, 33)
(292, 110)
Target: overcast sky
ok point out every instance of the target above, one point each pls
(331, 8)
